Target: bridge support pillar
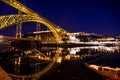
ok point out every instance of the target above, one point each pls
(38, 37)
(19, 27)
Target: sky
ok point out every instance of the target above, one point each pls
(91, 16)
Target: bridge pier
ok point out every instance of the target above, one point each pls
(19, 26)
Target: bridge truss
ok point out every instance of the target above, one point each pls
(30, 16)
(27, 17)
(8, 20)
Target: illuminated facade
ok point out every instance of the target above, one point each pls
(44, 36)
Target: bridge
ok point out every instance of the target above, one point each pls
(29, 15)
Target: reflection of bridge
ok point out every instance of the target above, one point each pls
(30, 16)
(34, 76)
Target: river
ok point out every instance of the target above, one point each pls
(70, 65)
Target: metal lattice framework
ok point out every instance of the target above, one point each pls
(8, 20)
(30, 16)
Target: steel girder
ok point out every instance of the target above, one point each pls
(8, 20)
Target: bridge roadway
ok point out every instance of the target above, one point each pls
(14, 38)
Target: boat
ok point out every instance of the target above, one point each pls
(106, 71)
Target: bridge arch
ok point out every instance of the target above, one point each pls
(8, 20)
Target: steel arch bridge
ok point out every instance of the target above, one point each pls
(30, 16)
(8, 20)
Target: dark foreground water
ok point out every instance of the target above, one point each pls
(75, 69)
(70, 67)
(72, 70)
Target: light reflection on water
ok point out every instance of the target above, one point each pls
(80, 52)
(29, 62)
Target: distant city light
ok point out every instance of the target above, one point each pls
(1, 37)
(72, 38)
(59, 59)
(72, 51)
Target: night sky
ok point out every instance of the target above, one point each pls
(91, 16)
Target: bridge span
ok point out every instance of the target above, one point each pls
(30, 16)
